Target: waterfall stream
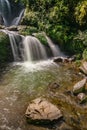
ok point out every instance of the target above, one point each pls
(8, 18)
(29, 48)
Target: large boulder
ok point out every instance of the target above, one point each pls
(79, 87)
(42, 111)
(83, 68)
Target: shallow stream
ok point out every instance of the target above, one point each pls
(22, 82)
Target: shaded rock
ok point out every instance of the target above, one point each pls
(2, 26)
(58, 59)
(63, 59)
(80, 86)
(1, 20)
(83, 68)
(42, 111)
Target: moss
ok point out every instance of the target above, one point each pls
(42, 38)
(27, 30)
(5, 54)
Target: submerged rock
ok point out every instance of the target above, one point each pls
(42, 111)
(83, 68)
(80, 86)
(53, 86)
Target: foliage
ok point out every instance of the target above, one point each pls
(61, 20)
(85, 54)
(81, 12)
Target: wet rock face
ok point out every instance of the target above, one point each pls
(1, 20)
(42, 110)
(83, 68)
(79, 87)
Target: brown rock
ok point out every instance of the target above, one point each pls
(83, 68)
(41, 109)
(80, 86)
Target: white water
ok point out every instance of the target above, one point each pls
(16, 20)
(29, 48)
(54, 48)
(33, 49)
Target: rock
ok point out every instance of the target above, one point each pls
(81, 96)
(63, 59)
(12, 28)
(58, 59)
(53, 86)
(80, 86)
(83, 68)
(1, 20)
(84, 100)
(42, 111)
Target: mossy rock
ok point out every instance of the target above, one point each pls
(27, 30)
(5, 48)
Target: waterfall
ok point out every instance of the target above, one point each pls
(8, 16)
(26, 48)
(33, 49)
(29, 48)
(16, 20)
(54, 48)
(5, 11)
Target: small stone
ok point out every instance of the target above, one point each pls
(84, 100)
(81, 96)
(42, 110)
(83, 68)
(79, 87)
(53, 86)
(58, 59)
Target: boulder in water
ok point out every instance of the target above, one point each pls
(80, 86)
(83, 68)
(42, 111)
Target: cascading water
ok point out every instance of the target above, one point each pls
(33, 49)
(26, 48)
(54, 48)
(7, 15)
(5, 11)
(29, 48)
